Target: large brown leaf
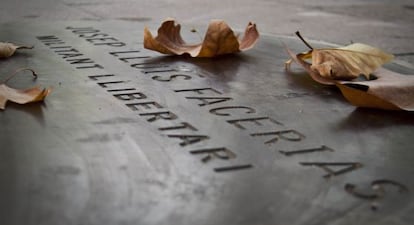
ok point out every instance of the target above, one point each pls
(299, 59)
(34, 94)
(349, 62)
(8, 49)
(218, 40)
(344, 63)
(385, 90)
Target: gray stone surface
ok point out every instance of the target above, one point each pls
(90, 154)
(238, 150)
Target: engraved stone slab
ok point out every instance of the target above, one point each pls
(129, 136)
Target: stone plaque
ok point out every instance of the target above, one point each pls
(129, 136)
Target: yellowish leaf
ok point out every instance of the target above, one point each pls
(218, 40)
(347, 63)
(8, 49)
(390, 90)
(386, 90)
(34, 94)
(344, 63)
(299, 59)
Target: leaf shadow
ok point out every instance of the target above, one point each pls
(301, 82)
(220, 70)
(34, 109)
(366, 118)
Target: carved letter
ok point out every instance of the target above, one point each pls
(206, 100)
(348, 167)
(378, 189)
(80, 61)
(255, 120)
(231, 168)
(215, 153)
(167, 115)
(90, 67)
(189, 139)
(308, 150)
(105, 84)
(172, 77)
(124, 52)
(144, 105)
(199, 91)
(95, 77)
(126, 59)
(215, 110)
(130, 96)
(288, 135)
(184, 125)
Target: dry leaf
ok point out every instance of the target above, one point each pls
(34, 94)
(348, 62)
(391, 91)
(218, 40)
(388, 90)
(8, 49)
(315, 75)
(345, 63)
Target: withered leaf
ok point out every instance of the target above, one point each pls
(8, 49)
(34, 94)
(307, 66)
(347, 63)
(218, 40)
(390, 90)
(344, 63)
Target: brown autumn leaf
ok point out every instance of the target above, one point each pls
(385, 90)
(218, 40)
(344, 63)
(34, 94)
(390, 90)
(307, 66)
(8, 49)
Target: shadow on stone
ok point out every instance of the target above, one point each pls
(365, 118)
(34, 109)
(219, 70)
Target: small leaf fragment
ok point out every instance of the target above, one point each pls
(34, 94)
(8, 49)
(390, 91)
(218, 40)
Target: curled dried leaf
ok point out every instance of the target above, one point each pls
(299, 59)
(218, 40)
(344, 63)
(34, 94)
(349, 62)
(8, 49)
(390, 91)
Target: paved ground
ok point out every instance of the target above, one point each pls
(167, 185)
(383, 23)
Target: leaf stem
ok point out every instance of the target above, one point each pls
(17, 71)
(303, 40)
